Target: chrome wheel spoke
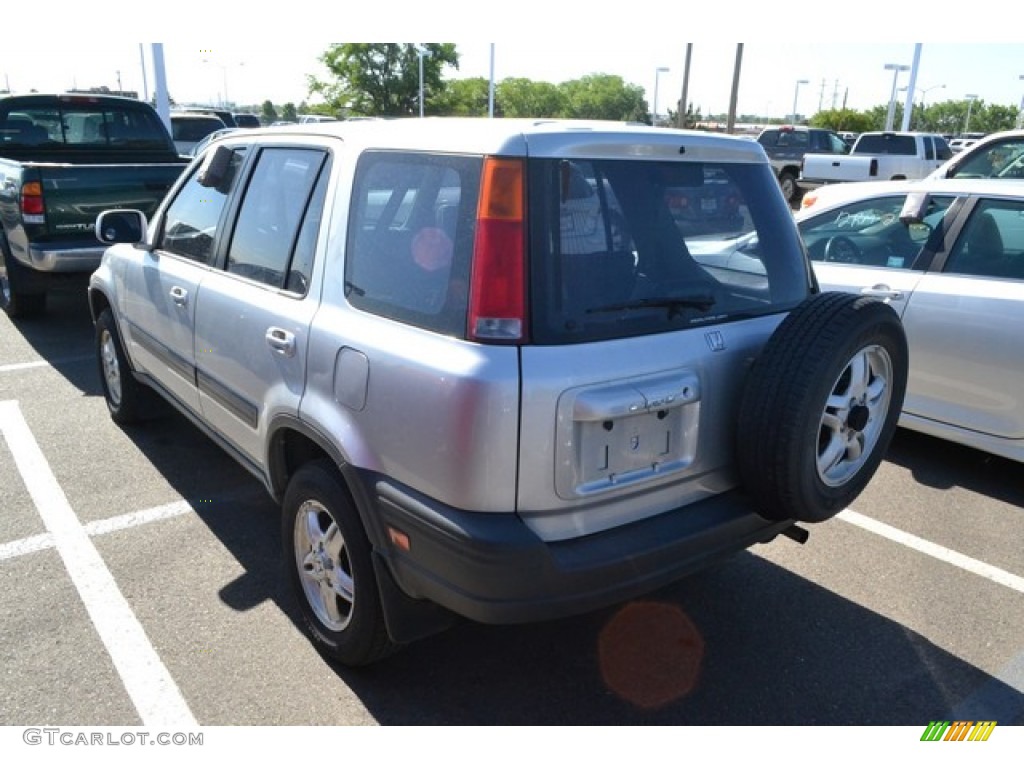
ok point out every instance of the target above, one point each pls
(324, 570)
(832, 454)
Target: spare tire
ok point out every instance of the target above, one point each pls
(820, 406)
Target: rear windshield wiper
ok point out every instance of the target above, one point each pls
(674, 304)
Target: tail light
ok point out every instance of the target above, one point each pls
(497, 298)
(32, 208)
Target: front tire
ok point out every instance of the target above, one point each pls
(820, 406)
(127, 400)
(330, 568)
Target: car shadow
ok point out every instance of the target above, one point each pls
(942, 464)
(746, 643)
(63, 336)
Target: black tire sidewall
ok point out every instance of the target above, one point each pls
(785, 397)
(20, 304)
(128, 410)
(364, 639)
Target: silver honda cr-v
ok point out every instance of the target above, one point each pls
(498, 369)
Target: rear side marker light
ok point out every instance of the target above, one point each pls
(399, 539)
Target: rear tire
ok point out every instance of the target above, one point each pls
(790, 190)
(15, 301)
(329, 565)
(820, 406)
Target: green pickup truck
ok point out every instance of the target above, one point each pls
(63, 159)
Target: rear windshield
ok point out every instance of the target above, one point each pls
(621, 247)
(887, 144)
(85, 125)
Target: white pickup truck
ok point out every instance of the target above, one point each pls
(877, 156)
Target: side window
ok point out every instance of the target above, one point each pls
(992, 242)
(301, 270)
(869, 232)
(271, 213)
(837, 145)
(1002, 159)
(190, 225)
(410, 237)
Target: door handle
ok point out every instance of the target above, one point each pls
(882, 291)
(179, 296)
(281, 341)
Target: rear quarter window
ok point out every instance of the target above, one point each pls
(410, 238)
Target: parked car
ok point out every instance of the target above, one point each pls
(189, 128)
(878, 155)
(948, 255)
(998, 155)
(246, 120)
(63, 158)
(486, 371)
(226, 117)
(213, 136)
(957, 145)
(786, 146)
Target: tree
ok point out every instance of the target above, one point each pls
(288, 112)
(604, 97)
(465, 98)
(519, 97)
(382, 79)
(843, 120)
(268, 114)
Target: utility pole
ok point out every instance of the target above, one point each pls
(681, 115)
(731, 121)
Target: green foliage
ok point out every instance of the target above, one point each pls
(462, 98)
(267, 113)
(382, 79)
(519, 97)
(288, 112)
(843, 120)
(604, 97)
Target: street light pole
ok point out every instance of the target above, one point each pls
(796, 94)
(654, 109)
(225, 102)
(967, 122)
(1020, 110)
(896, 69)
(421, 53)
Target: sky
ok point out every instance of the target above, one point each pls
(216, 60)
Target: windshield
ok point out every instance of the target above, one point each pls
(624, 247)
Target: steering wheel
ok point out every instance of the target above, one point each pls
(842, 249)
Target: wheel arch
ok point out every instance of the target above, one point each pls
(293, 443)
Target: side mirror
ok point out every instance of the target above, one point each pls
(914, 208)
(121, 226)
(215, 168)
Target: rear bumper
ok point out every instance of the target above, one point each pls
(491, 568)
(55, 257)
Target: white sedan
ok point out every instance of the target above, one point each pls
(948, 255)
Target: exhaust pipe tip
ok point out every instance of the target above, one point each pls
(797, 534)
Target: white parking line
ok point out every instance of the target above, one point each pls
(96, 528)
(152, 690)
(11, 367)
(937, 551)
